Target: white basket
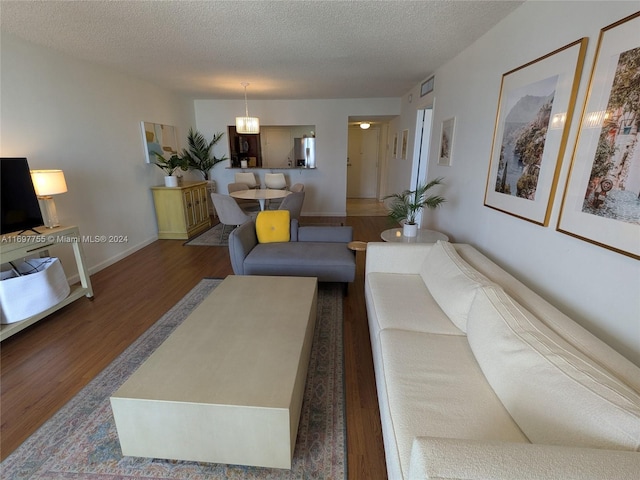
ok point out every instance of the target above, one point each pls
(39, 285)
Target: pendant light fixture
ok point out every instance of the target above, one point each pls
(247, 124)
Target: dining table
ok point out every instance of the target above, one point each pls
(260, 194)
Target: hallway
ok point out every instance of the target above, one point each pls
(365, 207)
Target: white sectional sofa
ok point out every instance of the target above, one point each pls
(478, 377)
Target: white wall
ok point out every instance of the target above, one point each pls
(325, 186)
(398, 175)
(85, 119)
(597, 287)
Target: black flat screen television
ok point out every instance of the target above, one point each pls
(18, 200)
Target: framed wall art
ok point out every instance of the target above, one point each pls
(445, 151)
(534, 113)
(158, 138)
(404, 144)
(601, 202)
(395, 145)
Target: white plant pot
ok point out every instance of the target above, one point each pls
(409, 230)
(170, 181)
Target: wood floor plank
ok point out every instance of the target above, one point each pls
(45, 365)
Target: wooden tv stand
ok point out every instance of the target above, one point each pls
(15, 247)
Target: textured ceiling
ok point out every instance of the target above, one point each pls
(284, 49)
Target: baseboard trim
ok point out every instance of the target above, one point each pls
(116, 258)
(324, 214)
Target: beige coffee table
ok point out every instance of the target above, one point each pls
(227, 385)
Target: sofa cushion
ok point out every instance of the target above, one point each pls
(574, 333)
(554, 392)
(273, 226)
(454, 458)
(434, 387)
(325, 233)
(329, 262)
(403, 301)
(451, 281)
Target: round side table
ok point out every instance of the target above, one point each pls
(357, 246)
(424, 236)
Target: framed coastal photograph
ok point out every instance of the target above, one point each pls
(158, 138)
(601, 202)
(404, 144)
(532, 123)
(445, 150)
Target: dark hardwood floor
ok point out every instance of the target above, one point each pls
(45, 365)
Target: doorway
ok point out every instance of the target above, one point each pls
(362, 162)
(419, 170)
(423, 139)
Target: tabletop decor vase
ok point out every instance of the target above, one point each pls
(170, 181)
(410, 229)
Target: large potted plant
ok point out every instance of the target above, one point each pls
(405, 206)
(199, 156)
(169, 166)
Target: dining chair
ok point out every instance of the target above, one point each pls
(247, 178)
(246, 205)
(293, 203)
(275, 180)
(297, 187)
(229, 212)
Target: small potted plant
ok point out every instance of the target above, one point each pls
(405, 206)
(169, 166)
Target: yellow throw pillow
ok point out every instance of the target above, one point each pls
(273, 226)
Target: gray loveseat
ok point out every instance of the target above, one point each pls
(313, 251)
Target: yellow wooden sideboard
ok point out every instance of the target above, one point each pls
(181, 211)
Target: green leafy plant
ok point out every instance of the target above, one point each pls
(169, 165)
(406, 205)
(199, 156)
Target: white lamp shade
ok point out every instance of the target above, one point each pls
(247, 125)
(48, 182)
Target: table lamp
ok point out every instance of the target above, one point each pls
(46, 184)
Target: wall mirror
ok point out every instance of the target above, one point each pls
(276, 146)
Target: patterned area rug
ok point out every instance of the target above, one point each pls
(211, 237)
(80, 441)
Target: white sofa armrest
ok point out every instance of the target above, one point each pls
(396, 257)
(447, 458)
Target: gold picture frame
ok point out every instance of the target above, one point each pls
(535, 108)
(404, 144)
(445, 150)
(395, 146)
(601, 202)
